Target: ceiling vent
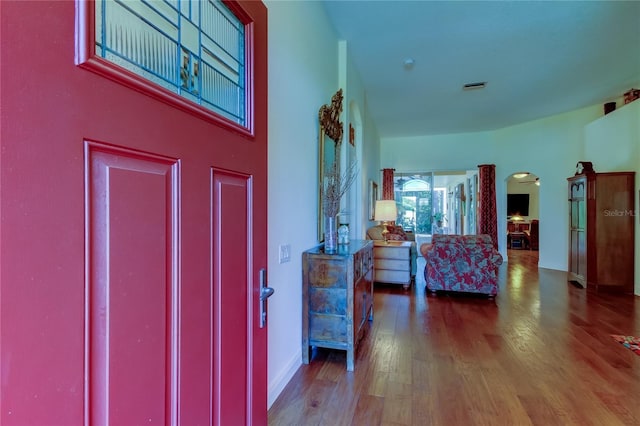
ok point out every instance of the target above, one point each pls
(473, 86)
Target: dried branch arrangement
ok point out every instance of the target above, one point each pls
(335, 186)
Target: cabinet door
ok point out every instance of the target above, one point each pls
(577, 224)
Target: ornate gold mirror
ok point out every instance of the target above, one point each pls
(329, 143)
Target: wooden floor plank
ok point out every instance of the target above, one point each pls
(540, 353)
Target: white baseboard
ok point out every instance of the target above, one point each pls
(282, 378)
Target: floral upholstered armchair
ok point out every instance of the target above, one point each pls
(465, 263)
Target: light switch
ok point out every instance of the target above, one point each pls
(285, 253)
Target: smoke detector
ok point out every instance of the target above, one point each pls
(409, 63)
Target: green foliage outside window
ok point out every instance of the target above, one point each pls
(414, 211)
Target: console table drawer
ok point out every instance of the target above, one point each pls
(396, 265)
(327, 301)
(391, 252)
(328, 328)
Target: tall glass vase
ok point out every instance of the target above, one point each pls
(330, 234)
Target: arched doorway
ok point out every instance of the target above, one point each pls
(523, 215)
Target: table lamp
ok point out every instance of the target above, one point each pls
(385, 212)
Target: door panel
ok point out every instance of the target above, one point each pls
(231, 296)
(107, 250)
(130, 210)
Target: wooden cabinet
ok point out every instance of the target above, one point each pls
(601, 230)
(337, 297)
(392, 262)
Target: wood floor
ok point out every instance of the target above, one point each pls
(539, 354)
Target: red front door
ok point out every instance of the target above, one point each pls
(132, 236)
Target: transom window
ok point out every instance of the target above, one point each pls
(194, 48)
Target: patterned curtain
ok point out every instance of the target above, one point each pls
(487, 215)
(387, 184)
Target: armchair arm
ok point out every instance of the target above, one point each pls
(496, 258)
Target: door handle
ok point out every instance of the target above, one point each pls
(265, 293)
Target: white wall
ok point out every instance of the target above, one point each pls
(549, 147)
(303, 75)
(612, 143)
(370, 168)
(307, 65)
(367, 143)
(463, 151)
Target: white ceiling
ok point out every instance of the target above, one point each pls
(539, 58)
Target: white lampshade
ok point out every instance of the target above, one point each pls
(386, 210)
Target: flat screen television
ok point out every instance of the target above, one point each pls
(517, 204)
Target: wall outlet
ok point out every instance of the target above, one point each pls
(285, 253)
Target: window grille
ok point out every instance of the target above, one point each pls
(194, 48)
